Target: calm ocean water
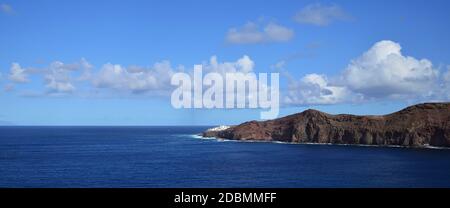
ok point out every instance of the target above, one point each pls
(172, 157)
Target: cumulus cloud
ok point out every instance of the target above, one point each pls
(383, 71)
(320, 15)
(230, 71)
(244, 64)
(156, 79)
(86, 68)
(59, 76)
(17, 73)
(447, 75)
(315, 89)
(63, 78)
(6, 8)
(134, 79)
(58, 82)
(252, 33)
(445, 86)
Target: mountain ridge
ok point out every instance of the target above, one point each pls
(426, 124)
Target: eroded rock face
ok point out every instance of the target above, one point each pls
(418, 125)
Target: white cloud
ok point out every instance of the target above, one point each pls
(233, 70)
(315, 89)
(6, 8)
(383, 71)
(447, 75)
(155, 80)
(134, 79)
(62, 78)
(17, 73)
(87, 70)
(278, 33)
(252, 33)
(243, 64)
(445, 86)
(249, 33)
(58, 77)
(320, 15)
(58, 84)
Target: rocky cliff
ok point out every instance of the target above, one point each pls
(418, 125)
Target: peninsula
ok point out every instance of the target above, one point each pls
(419, 125)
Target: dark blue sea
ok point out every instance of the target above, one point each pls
(173, 157)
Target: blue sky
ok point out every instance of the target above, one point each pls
(361, 57)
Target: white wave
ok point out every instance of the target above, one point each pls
(197, 136)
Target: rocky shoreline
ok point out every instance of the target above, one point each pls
(421, 125)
